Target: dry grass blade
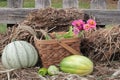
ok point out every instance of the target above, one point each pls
(115, 74)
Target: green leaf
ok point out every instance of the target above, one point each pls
(58, 36)
(69, 34)
(47, 37)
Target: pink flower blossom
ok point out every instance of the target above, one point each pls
(87, 27)
(92, 23)
(78, 24)
(76, 31)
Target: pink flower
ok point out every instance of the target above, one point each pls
(92, 23)
(87, 27)
(76, 31)
(78, 24)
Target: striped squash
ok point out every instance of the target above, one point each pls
(19, 54)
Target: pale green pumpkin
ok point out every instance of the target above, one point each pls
(19, 54)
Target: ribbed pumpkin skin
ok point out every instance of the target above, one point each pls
(19, 54)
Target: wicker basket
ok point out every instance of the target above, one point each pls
(53, 51)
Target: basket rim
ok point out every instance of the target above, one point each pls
(54, 41)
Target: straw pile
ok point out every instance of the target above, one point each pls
(102, 44)
(50, 17)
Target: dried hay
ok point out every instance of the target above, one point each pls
(59, 19)
(31, 74)
(4, 39)
(10, 34)
(102, 44)
(50, 17)
(101, 71)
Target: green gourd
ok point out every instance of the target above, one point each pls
(19, 54)
(77, 64)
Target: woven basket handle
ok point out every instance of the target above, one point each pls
(73, 51)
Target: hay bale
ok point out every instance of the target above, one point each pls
(50, 17)
(102, 44)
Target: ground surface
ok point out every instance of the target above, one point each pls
(102, 71)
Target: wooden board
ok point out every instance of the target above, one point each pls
(16, 15)
(104, 17)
